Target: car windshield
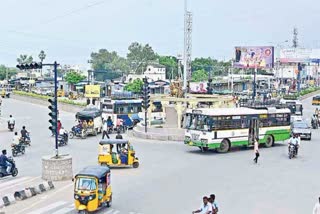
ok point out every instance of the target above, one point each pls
(86, 184)
(196, 122)
(300, 125)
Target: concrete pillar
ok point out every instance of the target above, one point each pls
(57, 169)
(179, 109)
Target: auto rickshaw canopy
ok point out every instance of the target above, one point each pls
(113, 141)
(94, 171)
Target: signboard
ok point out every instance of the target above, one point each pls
(297, 55)
(92, 91)
(198, 87)
(252, 57)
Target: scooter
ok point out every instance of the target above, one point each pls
(292, 151)
(13, 171)
(11, 126)
(17, 149)
(63, 140)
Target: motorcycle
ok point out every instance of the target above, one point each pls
(63, 140)
(13, 170)
(17, 149)
(11, 126)
(110, 129)
(292, 151)
(314, 124)
(121, 128)
(76, 131)
(26, 141)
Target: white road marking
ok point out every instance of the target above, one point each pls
(49, 207)
(64, 210)
(16, 183)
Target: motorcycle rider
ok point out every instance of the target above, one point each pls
(119, 137)
(15, 139)
(314, 120)
(64, 134)
(295, 142)
(24, 134)
(5, 162)
(11, 121)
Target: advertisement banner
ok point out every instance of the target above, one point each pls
(252, 57)
(92, 91)
(198, 87)
(295, 55)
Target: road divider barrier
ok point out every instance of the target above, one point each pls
(26, 193)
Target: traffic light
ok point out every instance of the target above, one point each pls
(53, 115)
(209, 87)
(33, 65)
(146, 95)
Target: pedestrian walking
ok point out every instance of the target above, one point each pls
(205, 208)
(256, 150)
(316, 209)
(105, 130)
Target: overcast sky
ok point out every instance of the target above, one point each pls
(69, 30)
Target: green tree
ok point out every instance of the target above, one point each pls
(24, 58)
(73, 77)
(105, 60)
(42, 57)
(213, 66)
(139, 56)
(134, 86)
(6, 70)
(171, 66)
(199, 75)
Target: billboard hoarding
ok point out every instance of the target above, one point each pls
(92, 91)
(296, 55)
(255, 56)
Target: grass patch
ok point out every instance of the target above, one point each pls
(45, 97)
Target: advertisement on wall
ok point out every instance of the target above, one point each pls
(198, 87)
(252, 57)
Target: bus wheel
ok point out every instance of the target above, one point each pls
(270, 141)
(224, 146)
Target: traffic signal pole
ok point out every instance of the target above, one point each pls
(55, 70)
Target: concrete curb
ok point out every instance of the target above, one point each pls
(26, 193)
(138, 132)
(309, 95)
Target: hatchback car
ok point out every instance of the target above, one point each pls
(302, 129)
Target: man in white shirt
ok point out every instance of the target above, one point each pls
(205, 208)
(295, 140)
(316, 209)
(105, 130)
(11, 121)
(16, 139)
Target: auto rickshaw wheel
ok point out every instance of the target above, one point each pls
(135, 164)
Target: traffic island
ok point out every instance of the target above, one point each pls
(162, 134)
(57, 168)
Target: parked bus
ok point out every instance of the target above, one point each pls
(129, 110)
(224, 128)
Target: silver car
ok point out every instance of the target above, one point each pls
(302, 129)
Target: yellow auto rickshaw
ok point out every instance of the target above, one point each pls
(117, 152)
(92, 189)
(316, 100)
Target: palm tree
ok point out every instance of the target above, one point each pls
(42, 56)
(24, 58)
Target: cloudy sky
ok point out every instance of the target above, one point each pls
(69, 30)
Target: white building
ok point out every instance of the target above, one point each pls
(153, 72)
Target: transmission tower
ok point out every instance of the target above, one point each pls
(295, 38)
(187, 45)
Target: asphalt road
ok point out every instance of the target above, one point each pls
(173, 178)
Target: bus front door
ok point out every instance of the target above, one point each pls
(253, 130)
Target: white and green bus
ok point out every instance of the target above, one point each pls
(223, 128)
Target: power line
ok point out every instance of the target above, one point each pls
(74, 11)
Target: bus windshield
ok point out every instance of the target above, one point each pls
(197, 122)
